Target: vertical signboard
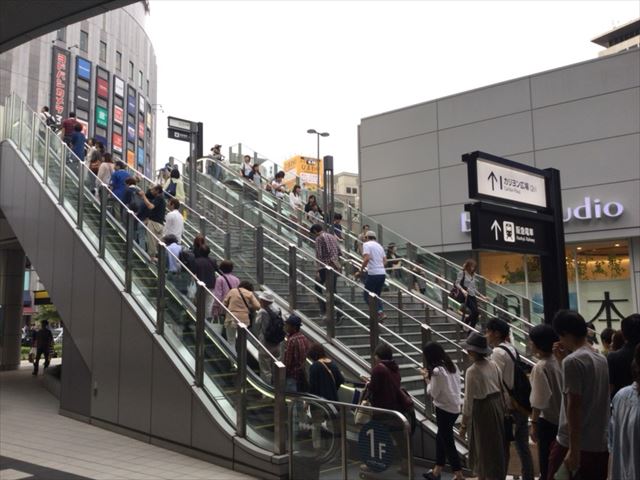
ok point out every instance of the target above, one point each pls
(131, 108)
(117, 126)
(101, 130)
(59, 97)
(82, 101)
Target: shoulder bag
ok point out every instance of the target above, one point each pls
(252, 313)
(363, 416)
(456, 292)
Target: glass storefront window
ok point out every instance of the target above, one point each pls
(592, 269)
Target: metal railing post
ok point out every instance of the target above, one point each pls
(102, 232)
(162, 282)
(299, 219)
(425, 337)
(380, 234)
(400, 315)
(373, 325)
(241, 423)
(293, 292)
(82, 175)
(260, 254)
(412, 252)
(444, 292)
(427, 315)
(460, 337)
(203, 226)
(280, 408)
(279, 212)
(128, 259)
(526, 309)
(45, 166)
(34, 124)
(343, 441)
(63, 177)
(227, 246)
(20, 125)
(330, 299)
(200, 315)
(347, 240)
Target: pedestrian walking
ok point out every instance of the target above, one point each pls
(374, 262)
(620, 360)
(393, 261)
(105, 170)
(466, 282)
(68, 127)
(269, 327)
(174, 186)
(483, 412)
(204, 268)
(43, 343)
(225, 281)
(155, 206)
(328, 255)
(295, 354)
(295, 199)
(174, 222)
(247, 167)
(443, 386)
(243, 304)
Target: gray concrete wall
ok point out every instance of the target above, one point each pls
(117, 373)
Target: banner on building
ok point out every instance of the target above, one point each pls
(59, 98)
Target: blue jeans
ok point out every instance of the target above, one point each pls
(374, 284)
(521, 434)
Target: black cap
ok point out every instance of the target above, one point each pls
(294, 321)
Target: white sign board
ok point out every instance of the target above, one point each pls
(179, 124)
(512, 184)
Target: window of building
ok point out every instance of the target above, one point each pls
(84, 41)
(118, 61)
(140, 78)
(131, 69)
(348, 189)
(61, 34)
(354, 190)
(103, 51)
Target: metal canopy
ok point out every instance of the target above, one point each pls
(21, 20)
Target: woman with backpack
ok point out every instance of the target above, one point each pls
(243, 304)
(325, 380)
(443, 385)
(174, 186)
(466, 283)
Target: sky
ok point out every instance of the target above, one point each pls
(262, 73)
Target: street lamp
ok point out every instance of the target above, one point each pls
(313, 131)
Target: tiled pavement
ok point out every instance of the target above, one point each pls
(37, 443)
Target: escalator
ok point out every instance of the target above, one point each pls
(193, 374)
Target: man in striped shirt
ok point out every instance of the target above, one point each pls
(295, 355)
(328, 254)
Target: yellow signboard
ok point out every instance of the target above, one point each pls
(306, 169)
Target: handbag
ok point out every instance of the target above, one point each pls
(252, 313)
(456, 292)
(363, 416)
(191, 290)
(32, 354)
(508, 421)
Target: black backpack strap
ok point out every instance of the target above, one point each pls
(515, 359)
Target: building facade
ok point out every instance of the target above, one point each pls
(103, 69)
(346, 186)
(583, 119)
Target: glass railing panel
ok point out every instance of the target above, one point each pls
(27, 126)
(70, 190)
(40, 145)
(55, 151)
(16, 108)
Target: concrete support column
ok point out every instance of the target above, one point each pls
(12, 261)
(634, 255)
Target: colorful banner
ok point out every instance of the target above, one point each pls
(58, 103)
(102, 87)
(83, 68)
(102, 117)
(131, 103)
(118, 115)
(141, 103)
(118, 86)
(131, 158)
(116, 139)
(140, 157)
(131, 133)
(141, 129)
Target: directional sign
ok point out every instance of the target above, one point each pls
(375, 446)
(179, 124)
(502, 180)
(506, 229)
(179, 135)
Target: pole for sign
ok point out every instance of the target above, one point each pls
(193, 152)
(555, 288)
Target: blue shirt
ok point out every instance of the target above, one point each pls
(77, 144)
(117, 183)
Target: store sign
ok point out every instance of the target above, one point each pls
(498, 179)
(118, 114)
(499, 229)
(140, 157)
(59, 83)
(83, 68)
(141, 104)
(117, 142)
(131, 158)
(589, 210)
(102, 87)
(131, 133)
(141, 129)
(131, 104)
(102, 117)
(118, 87)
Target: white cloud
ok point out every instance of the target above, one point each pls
(263, 72)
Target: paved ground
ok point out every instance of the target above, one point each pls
(37, 443)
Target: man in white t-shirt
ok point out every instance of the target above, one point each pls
(504, 356)
(173, 222)
(374, 262)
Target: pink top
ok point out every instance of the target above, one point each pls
(221, 289)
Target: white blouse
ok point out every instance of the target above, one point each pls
(444, 388)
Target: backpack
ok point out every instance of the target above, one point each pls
(171, 189)
(274, 333)
(521, 390)
(187, 257)
(49, 121)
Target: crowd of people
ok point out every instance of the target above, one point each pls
(579, 406)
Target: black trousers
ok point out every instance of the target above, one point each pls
(547, 432)
(472, 305)
(40, 352)
(445, 443)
